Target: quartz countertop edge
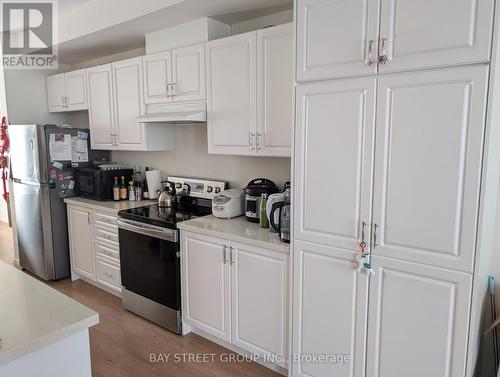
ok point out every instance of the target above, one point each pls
(111, 207)
(237, 229)
(34, 315)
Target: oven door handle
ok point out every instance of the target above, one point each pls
(148, 230)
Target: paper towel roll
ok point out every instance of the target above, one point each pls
(154, 183)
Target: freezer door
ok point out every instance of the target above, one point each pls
(28, 153)
(34, 230)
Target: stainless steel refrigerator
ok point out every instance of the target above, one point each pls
(42, 176)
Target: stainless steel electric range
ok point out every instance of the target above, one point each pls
(149, 251)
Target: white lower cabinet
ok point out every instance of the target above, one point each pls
(81, 243)
(329, 311)
(236, 292)
(205, 275)
(418, 320)
(94, 247)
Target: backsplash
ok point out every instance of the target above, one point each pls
(190, 158)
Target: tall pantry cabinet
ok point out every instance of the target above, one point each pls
(391, 161)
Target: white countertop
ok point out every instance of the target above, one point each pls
(33, 315)
(237, 229)
(108, 206)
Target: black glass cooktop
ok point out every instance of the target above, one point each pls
(168, 217)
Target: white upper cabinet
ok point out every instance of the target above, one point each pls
(76, 90)
(333, 161)
(275, 90)
(329, 311)
(157, 77)
(67, 91)
(250, 93)
(188, 73)
(418, 320)
(421, 34)
(336, 38)
(116, 100)
(129, 103)
(231, 82)
(101, 114)
(428, 165)
(175, 76)
(339, 38)
(56, 91)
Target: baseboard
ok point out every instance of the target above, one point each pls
(100, 286)
(238, 350)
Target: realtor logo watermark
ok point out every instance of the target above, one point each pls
(29, 34)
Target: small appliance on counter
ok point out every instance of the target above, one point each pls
(97, 182)
(282, 209)
(275, 198)
(153, 177)
(228, 204)
(253, 192)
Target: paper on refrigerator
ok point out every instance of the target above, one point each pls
(60, 147)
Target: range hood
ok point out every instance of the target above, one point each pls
(175, 113)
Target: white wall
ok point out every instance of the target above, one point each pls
(27, 98)
(258, 23)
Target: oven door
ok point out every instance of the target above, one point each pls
(149, 262)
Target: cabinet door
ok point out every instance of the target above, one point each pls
(188, 73)
(231, 70)
(333, 161)
(329, 311)
(157, 75)
(205, 290)
(259, 300)
(100, 98)
(76, 90)
(129, 103)
(421, 34)
(275, 90)
(336, 38)
(428, 165)
(418, 320)
(81, 241)
(56, 90)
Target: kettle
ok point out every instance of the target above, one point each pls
(167, 197)
(283, 226)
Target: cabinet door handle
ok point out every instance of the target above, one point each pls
(362, 243)
(374, 243)
(231, 261)
(383, 57)
(259, 141)
(251, 142)
(369, 55)
(169, 90)
(88, 218)
(224, 255)
(174, 89)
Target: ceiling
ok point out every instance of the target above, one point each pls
(129, 34)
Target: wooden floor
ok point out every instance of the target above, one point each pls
(121, 343)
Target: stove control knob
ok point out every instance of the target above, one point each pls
(178, 185)
(210, 189)
(217, 190)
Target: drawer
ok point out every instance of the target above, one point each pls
(104, 218)
(108, 250)
(106, 235)
(108, 274)
(106, 227)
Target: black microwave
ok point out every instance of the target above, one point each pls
(94, 183)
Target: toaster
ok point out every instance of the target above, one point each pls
(229, 203)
